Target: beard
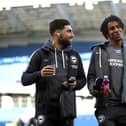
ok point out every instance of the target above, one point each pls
(64, 42)
(117, 39)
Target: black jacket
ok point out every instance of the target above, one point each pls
(48, 89)
(99, 67)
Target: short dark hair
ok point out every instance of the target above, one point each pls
(104, 28)
(57, 24)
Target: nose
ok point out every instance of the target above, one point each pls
(73, 34)
(116, 29)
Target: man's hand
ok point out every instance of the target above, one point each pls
(97, 93)
(48, 70)
(72, 82)
(103, 91)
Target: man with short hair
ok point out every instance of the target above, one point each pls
(109, 60)
(57, 71)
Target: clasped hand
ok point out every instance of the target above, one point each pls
(71, 83)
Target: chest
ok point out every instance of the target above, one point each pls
(115, 57)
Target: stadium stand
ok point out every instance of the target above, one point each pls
(31, 24)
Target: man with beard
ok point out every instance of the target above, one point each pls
(55, 68)
(109, 60)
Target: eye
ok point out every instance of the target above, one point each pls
(115, 27)
(112, 28)
(118, 26)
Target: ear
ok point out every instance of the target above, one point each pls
(57, 33)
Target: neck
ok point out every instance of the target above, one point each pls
(117, 43)
(56, 44)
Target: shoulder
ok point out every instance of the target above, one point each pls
(38, 54)
(74, 52)
(101, 45)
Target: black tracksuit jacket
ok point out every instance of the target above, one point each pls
(48, 89)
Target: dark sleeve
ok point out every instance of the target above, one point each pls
(32, 72)
(91, 76)
(81, 78)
